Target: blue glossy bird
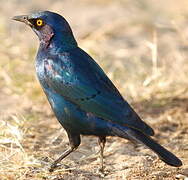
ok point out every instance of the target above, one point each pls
(82, 97)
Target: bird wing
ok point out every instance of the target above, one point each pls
(80, 80)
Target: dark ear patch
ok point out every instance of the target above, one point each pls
(47, 34)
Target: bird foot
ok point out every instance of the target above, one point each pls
(101, 169)
(55, 165)
(102, 172)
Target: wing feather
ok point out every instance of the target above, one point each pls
(79, 79)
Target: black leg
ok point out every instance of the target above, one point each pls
(102, 141)
(74, 141)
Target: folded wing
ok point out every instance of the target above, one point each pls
(79, 79)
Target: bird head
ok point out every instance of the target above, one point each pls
(49, 25)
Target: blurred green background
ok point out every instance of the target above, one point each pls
(141, 45)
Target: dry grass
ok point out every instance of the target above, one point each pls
(142, 46)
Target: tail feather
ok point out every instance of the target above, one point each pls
(163, 153)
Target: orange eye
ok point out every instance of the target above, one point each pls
(39, 22)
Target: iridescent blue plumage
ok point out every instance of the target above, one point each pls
(82, 97)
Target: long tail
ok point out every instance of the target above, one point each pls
(163, 153)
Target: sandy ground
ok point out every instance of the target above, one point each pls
(142, 46)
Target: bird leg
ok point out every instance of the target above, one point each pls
(102, 141)
(65, 154)
(74, 141)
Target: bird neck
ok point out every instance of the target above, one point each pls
(61, 42)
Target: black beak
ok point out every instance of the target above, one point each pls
(23, 18)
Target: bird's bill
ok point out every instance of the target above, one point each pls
(22, 18)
